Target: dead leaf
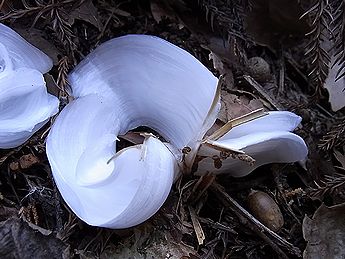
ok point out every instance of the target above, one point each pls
(51, 84)
(157, 244)
(335, 88)
(43, 231)
(340, 157)
(24, 162)
(234, 106)
(7, 212)
(325, 233)
(161, 9)
(19, 240)
(86, 12)
(36, 38)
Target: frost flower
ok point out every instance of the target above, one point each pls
(132, 81)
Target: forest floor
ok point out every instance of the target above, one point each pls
(207, 217)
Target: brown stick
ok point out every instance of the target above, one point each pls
(273, 239)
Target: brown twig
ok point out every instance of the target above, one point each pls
(63, 67)
(320, 16)
(273, 239)
(251, 81)
(338, 26)
(331, 184)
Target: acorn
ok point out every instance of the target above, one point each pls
(265, 209)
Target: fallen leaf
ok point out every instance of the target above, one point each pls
(51, 84)
(161, 9)
(234, 106)
(7, 212)
(19, 240)
(340, 157)
(36, 38)
(26, 161)
(325, 233)
(336, 89)
(158, 244)
(86, 12)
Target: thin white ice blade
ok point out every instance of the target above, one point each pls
(335, 87)
(274, 121)
(264, 147)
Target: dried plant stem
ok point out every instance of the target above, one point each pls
(2, 4)
(40, 8)
(273, 239)
(62, 29)
(338, 27)
(63, 67)
(335, 137)
(53, 12)
(227, 15)
(331, 184)
(320, 16)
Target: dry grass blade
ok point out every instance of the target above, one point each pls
(236, 122)
(196, 225)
